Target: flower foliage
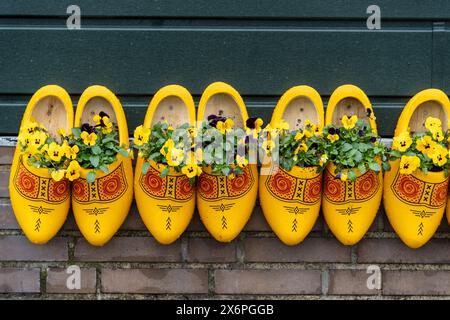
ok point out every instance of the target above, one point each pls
(44, 151)
(427, 151)
(97, 147)
(168, 148)
(303, 148)
(354, 145)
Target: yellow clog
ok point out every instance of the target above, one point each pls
(166, 205)
(350, 207)
(101, 207)
(415, 203)
(290, 200)
(225, 204)
(41, 204)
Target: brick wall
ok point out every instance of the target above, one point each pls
(134, 265)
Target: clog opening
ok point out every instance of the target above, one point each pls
(95, 106)
(349, 107)
(173, 110)
(298, 111)
(222, 104)
(425, 110)
(51, 113)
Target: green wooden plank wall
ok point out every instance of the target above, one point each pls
(260, 47)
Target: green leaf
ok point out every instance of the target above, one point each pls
(226, 171)
(123, 153)
(90, 176)
(374, 166)
(145, 167)
(351, 175)
(104, 168)
(346, 147)
(362, 168)
(95, 160)
(76, 132)
(96, 150)
(165, 172)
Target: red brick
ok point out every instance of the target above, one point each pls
(57, 281)
(18, 248)
(416, 283)
(268, 281)
(7, 219)
(129, 249)
(209, 250)
(395, 251)
(19, 280)
(4, 182)
(157, 281)
(311, 250)
(349, 282)
(6, 155)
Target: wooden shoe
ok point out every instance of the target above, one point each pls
(350, 207)
(101, 207)
(415, 203)
(290, 200)
(225, 203)
(166, 205)
(40, 203)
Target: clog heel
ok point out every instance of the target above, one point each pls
(166, 204)
(350, 207)
(101, 207)
(225, 203)
(40, 203)
(415, 203)
(290, 200)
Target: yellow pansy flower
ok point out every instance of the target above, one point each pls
(268, 146)
(317, 129)
(191, 170)
(333, 137)
(437, 135)
(141, 135)
(225, 126)
(62, 132)
(301, 148)
(282, 125)
(409, 164)
(37, 139)
(71, 152)
(193, 132)
(439, 155)
(57, 175)
(89, 139)
(343, 176)
(241, 161)
(168, 145)
(323, 159)
(174, 157)
(433, 124)
(73, 170)
(299, 135)
(55, 152)
(29, 127)
(425, 145)
(402, 142)
(349, 122)
(104, 122)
